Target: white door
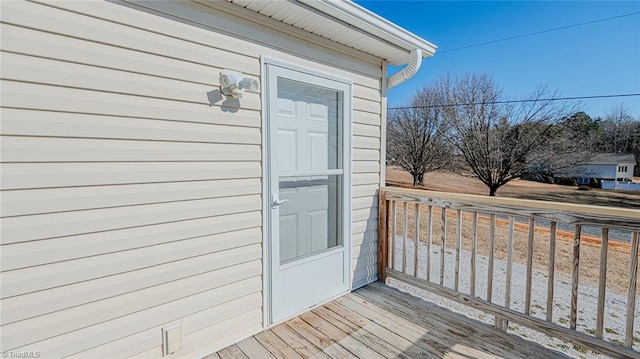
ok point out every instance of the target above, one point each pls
(308, 165)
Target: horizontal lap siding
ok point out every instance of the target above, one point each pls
(366, 169)
(131, 192)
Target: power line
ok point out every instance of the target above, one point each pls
(539, 32)
(517, 101)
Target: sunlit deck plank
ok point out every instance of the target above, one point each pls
(378, 321)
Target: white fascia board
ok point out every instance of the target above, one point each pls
(365, 20)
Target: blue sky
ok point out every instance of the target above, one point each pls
(594, 59)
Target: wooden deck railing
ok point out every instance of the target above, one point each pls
(465, 248)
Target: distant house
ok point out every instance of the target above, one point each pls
(603, 166)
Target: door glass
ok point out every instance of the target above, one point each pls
(309, 167)
(310, 220)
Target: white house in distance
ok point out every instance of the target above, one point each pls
(180, 175)
(605, 166)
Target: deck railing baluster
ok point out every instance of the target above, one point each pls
(384, 254)
(507, 295)
(443, 245)
(416, 247)
(602, 282)
(405, 231)
(527, 300)
(394, 236)
(552, 270)
(474, 248)
(631, 301)
(576, 274)
(492, 238)
(458, 245)
(429, 241)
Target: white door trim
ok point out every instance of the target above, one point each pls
(266, 178)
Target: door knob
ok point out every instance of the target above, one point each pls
(276, 202)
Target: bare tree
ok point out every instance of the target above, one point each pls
(617, 130)
(621, 133)
(416, 135)
(500, 141)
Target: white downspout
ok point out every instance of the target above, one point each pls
(415, 61)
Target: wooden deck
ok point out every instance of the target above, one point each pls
(378, 321)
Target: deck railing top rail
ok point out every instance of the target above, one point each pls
(478, 250)
(563, 212)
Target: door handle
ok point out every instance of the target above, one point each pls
(276, 202)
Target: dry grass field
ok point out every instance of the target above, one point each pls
(618, 257)
(451, 182)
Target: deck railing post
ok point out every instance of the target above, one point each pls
(383, 231)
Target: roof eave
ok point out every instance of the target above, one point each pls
(365, 20)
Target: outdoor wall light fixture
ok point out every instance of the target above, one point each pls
(234, 84)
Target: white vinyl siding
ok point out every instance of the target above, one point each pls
(131, 194)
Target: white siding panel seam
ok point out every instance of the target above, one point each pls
(366, 130)
(25, 234)
(132, 206)
(61, 73)
(228, 195)
(124, 140)
(30, 202)
(145, 344)
(70, 125)
(6, 270)
(144, 29)
(366, 118)
(65, 99)
(43, 149)
(250, 101)
(151, 318)
(130, 302)
(36, 282)
(246, 69)
(18, 306)
(53, 324)
(52, 19)
(31, 254)
(237, 122)
(125, 183)
(51, 176)
(189, 80)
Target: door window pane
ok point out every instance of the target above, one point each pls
(311, 217)
(310, 123)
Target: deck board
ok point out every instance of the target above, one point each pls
(253, 349)
(350, 341)
(320, 339)
(378, 321)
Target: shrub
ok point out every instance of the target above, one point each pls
(566, 181)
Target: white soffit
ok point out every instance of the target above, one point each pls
(347, 23)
